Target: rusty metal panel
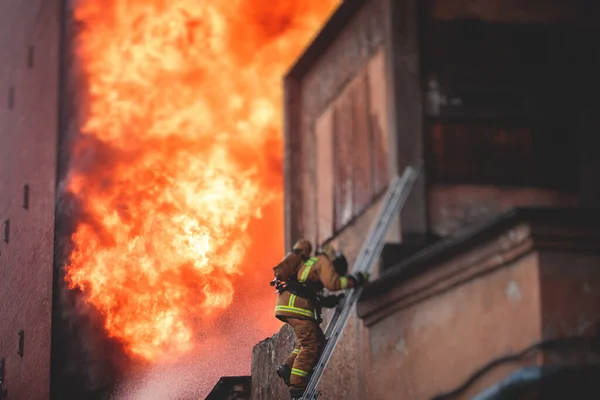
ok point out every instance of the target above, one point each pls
(363, 146)
(377, 98)
(292, 162)
(325, 182)
(307, 182)
(358, 149)
(343, 161)
(360, 156)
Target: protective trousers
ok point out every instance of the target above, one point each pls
(310, 342)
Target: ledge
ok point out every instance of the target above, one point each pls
(551, 381)
(238, 386)
(475, 250)
(326, 36)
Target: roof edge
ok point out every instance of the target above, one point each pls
(336, 23)
(471, 237)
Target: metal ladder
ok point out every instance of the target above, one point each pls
(393, 202)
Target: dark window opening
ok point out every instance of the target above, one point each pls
(26, 197)
(494, 154)
(6, 231)
(501, 105)
(11, 97)
(30, 56)
(21, 348)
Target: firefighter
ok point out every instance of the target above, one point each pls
(297, 307)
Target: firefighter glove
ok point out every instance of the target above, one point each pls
(360, 278)
(331, 301)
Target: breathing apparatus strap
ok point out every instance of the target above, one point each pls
(305, 291)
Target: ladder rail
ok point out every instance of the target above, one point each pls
(381, 228)
(385, 204)
(393, 202)
(378, 229)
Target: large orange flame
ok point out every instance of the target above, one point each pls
(180, 152)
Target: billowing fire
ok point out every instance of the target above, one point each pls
(180, 154)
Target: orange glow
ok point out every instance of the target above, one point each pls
(179, 165)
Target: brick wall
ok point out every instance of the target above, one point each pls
(29, 77)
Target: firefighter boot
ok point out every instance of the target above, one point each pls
(284, 372)
(296, 394)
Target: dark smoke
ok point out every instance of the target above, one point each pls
(86, 364)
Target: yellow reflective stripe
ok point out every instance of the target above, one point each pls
(305, 273)
(299, 372)
(343, 282)
(311, 261)
(296, 351)
(307, 267)
(301, 311)
(292, 300)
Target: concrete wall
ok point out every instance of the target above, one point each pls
(433, 346)
(431, 331)
(29, 80)
(570, 293)
(266, 356)
(452, 207)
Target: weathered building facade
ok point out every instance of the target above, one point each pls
(39, 111)
(30, 33)
(496, 102)
(464, 314)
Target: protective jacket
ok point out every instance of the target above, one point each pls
(317, 272)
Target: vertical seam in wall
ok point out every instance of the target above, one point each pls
(540, 300)
(314, 181)
(335, 139)
(63, 58)
(315, 178)
(292, 146)
(370, 132)
(423, 11)
(359, 382)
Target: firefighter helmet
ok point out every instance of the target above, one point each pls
(304, 247)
